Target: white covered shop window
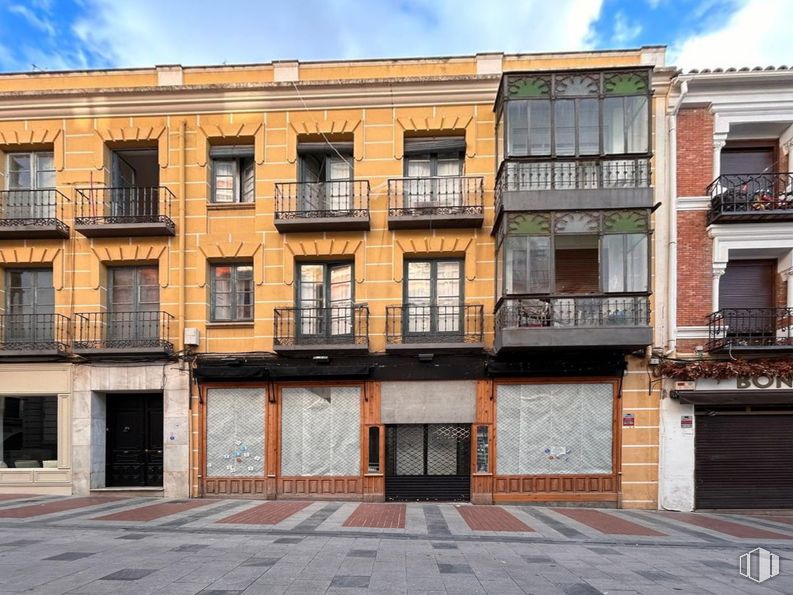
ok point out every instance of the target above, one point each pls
(546, 429)
(320, 431)
(235, 432)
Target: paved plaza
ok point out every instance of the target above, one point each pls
(147, 545)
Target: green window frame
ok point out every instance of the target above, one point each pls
(232, 294)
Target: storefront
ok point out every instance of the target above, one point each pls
(36, 429)
(728, 444)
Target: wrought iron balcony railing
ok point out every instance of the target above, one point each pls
(322, 200)
(328, 327)
(562, 311)
(445, 196)
(33, 211)
(750, 328)
(522, 174)
(32, 333)
(123, 331)
(146, 208)
(414, 324)
(751, 197)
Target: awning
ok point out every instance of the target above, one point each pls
(734, 397)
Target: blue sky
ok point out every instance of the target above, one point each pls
(67, 34)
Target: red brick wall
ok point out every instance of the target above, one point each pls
(694, 278)
(694, 151)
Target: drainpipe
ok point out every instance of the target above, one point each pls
(182, 234)
(671, 297)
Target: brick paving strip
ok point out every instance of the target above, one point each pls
(379, 516)
(269, 513)
(4, 497)
(607, 523)
(722, 526)
(153, 511)
(491, 518)
(24, 512)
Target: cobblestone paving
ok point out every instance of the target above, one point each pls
(144, 545)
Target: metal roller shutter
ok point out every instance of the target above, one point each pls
(744, 461)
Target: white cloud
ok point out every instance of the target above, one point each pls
(37, 21)
(757, 34)
(625, 31)
(148, 32)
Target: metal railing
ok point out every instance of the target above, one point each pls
(313, 200)
(572, 174)
(573, 311)
(121, 205)
(32, 208)
(750, 328)
(448, 196)
(409, 323)
(123, 330)
(336, 325)
(34, 332)
(751, 194)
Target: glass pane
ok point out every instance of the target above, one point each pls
(539, 127)
(223, 168)
(419, 168)
(518, 133)
(636, 122)
(448, 288)
(235, 432)
(19, 171)
(374, 450)
(588, 127)
(419, 270)
(419, 291)
(450, 167)
(339, 169)
(449, 270)
(613, 262)
(613, 125)
(45, 161)
(527, 265)
(248, 181)
(29, 432)
(122, 277)
(148, 275)
(636, 262)
(564, 127)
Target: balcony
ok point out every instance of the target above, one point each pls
(124, 212)
(752, 330)
(122, 334)
(33, 335)
(411, 328)
(339, 329)
(322, 206)
(540, 322)
(435, 202)
(32, 214)
(559, 185)
(751, 198)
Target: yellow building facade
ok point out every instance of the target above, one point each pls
(281, 280)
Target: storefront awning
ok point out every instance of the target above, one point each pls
(734, 397)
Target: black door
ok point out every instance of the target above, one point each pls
(428, 462)
(744, 461)
(134, 440)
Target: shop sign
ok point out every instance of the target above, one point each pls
(746, 383)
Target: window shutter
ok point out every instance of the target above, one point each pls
(434, 144)
(231, 151)
(323, 147)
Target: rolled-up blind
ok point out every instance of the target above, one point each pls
(435, 144)
(231, 151)
(325, 147)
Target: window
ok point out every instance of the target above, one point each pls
(529, 128)
(233, 175)
(326, 177)
(434, 166)
(135, 181)
(554, 429)
(625, 125)
(134, 304)
(235, 432)
(576, 127)
(231, 290)
(528, 264)
(325, 299)
(30, 306)
(320, 433)
(29, 432)
(374, 450)
(433, 296)
(625, 262)
(27, 172)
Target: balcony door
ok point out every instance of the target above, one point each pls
(326, 181)
(135, 179)
(30, 306)
(433, 298)
(433, 168)
(325, 301)
(747, 293)
(134, 306)
(31, 184)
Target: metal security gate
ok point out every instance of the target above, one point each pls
(744, 461)
(428, 462)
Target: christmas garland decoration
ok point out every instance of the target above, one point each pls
(721, 369)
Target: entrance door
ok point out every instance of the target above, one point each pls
(744, 461)
(428, 462)
(133, 317)
(134, 440)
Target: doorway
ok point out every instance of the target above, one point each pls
(134, 440)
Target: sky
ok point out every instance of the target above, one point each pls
(75, 34)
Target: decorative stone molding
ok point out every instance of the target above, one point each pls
(215, 251)
(25, 256)
(133, 133)
(307, 123)
(229, 131)
(322, 249)
(436, 246)
(132, 254)
(439, 122)
(13, 133)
